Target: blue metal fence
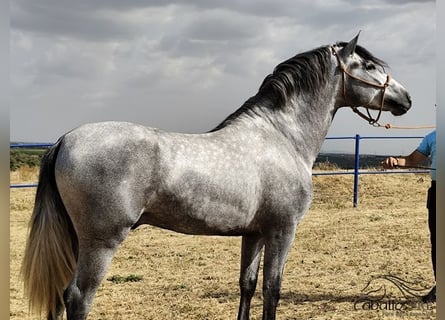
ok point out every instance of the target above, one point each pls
(356, 170)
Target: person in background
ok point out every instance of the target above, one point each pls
(427, 148)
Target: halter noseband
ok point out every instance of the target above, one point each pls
(369, 118)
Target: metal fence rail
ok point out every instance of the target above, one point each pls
(356, 171)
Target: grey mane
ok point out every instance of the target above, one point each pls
(305, 72)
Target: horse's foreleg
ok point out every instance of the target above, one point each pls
(250, 261)
(95, 255)
(276, 250)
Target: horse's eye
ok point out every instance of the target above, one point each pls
(370, 66)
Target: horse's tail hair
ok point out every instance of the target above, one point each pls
(51, 249)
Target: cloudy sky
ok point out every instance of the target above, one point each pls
(185, 65)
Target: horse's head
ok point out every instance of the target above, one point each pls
(365, 83)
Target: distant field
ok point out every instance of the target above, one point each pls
(158, 274)
(19, 158)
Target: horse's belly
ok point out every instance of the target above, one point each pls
(190, 225)
(201, 215)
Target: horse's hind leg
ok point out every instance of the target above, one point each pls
(96, 251)
(250, 261)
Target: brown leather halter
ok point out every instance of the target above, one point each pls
(382, 87)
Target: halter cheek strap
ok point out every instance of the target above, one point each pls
(382, 87)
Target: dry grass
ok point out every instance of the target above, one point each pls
(24, 175)
(336, 252)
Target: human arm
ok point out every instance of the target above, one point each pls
(411, 160)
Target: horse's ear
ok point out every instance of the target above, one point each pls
(349, 49)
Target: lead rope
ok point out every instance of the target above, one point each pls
(391, 126)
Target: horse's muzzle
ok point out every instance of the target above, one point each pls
(399, 107)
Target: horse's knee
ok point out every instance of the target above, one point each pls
(272, 289)
(248, 285)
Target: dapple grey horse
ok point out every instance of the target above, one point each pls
(249, 177)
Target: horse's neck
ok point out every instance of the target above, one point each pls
(312, 122)
(306, 121)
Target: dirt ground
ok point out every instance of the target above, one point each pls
(338, 250)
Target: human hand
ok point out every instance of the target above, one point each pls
(390, 163)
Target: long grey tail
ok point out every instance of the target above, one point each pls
(51, 249)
